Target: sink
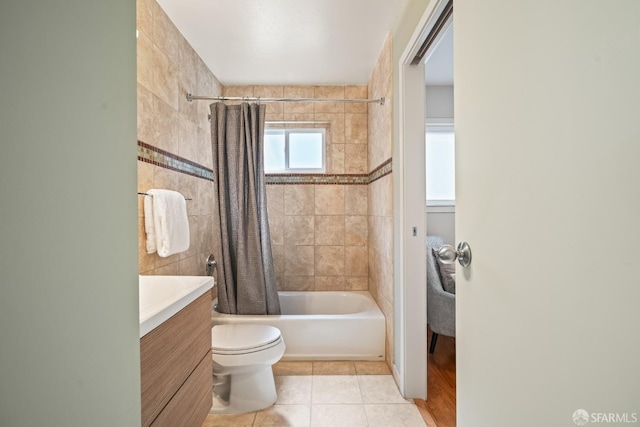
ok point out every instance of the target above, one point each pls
(163, 296)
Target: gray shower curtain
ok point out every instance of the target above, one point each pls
(246, 276)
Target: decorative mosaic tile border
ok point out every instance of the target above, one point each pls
(318, 179)
(383, 170)
(331, 179)
(159, 157)
(156, 156)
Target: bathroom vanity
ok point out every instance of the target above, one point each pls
(175, 350)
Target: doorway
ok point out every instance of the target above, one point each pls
(410, 203)
(440, 213)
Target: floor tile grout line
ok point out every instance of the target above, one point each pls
(255, 420)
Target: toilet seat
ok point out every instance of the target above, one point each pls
(237, 339)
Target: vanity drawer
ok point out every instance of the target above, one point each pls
(170, 353)
(191, 404)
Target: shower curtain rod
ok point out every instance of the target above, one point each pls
(258, 99)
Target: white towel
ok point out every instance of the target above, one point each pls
(166, 222)
(149, 226)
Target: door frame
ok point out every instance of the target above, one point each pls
(410, 297)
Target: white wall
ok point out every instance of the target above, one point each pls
(439, 109)
(441, 222)
(439, 102)
(69, 346)
(409, 307)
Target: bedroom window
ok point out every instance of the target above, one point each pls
(441, 170)
(294, 150)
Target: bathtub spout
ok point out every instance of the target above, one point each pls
(211, 265)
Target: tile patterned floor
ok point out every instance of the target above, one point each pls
(332, 394)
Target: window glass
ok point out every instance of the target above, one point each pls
(305, 150)
(294, 150)
(274, 151)
(440, 161)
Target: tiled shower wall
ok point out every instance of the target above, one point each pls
(380, 193)
(324, 236)
(319, 231)
(168, 68)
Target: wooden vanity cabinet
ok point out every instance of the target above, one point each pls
(176, 368)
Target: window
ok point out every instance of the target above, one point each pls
(440, 161)
(294, 150)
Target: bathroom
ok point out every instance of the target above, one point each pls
(355, 255)
(69, 259)
(325, 237)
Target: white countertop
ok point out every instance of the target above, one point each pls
(163, 296)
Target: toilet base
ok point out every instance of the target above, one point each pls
(244, 392)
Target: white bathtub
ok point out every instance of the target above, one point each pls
(324, 325)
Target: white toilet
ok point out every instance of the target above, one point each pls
(242, 358)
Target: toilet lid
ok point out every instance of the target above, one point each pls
(242, 337)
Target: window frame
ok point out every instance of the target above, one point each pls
(293, 130)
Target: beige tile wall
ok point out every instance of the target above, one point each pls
(319, 232)
(324, 237)
(380, 193)
(168, 68)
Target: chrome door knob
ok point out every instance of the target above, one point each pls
(448, 255)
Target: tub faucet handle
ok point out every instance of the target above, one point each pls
(212, 264)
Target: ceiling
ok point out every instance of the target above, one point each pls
(300, 42)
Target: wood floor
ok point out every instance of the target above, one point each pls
(441, 382)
